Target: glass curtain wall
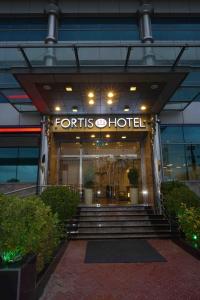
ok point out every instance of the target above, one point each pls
(181, 152)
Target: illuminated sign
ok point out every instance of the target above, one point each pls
(82, 122)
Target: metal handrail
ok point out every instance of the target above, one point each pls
(20, 190)
(38, 188)
(164, 211)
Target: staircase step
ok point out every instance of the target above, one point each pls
(119, 218)
(131, 229)
(114, 221)
(118, 223)
(115, 208)
(117, 213)
(121, 236)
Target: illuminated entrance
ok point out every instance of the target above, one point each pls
(100, 157)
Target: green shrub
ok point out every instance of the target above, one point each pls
(62, 201)
(175, 194)
(189, 220)
(27, 226)
(168, 186)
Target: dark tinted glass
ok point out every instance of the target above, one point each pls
(23, 29)
(171, 134)
(191, 134)
(176, 29)
(80, 29)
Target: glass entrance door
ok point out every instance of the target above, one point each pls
(109, 174)
(106, 168)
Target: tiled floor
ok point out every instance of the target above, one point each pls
(178, 278)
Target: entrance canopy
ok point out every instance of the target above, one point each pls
(130, 92)
(82, 55)
(43, 72)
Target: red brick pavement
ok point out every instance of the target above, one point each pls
(176, 279)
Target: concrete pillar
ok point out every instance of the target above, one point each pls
(145, 13)
(52, 10)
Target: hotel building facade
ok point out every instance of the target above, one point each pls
(89, 89)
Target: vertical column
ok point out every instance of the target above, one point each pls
(52, 11)
(157, 161)
(81, 171)
(143, 173)
(145, 12)
(43, 169)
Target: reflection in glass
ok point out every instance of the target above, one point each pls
(181, 152)
(174, 166)
(193, 161)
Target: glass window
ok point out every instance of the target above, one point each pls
(192, 79)
(81, 29)
(171, 134)
(27, 173)
(191, 134)
(175, 106)
(176, 29)
(185, 94)
(174, 165)
(193, 161)
(19, 164)
(8, 173)
(23, 29)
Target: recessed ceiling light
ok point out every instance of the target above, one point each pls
(92, 135)
(143, 107)
(110, 95)
(109, 101)
(78, 137)
(75, 108)
(123, 137)
(107, 135)
(133, 88)
(91, 102)
(154, 86)
(47, 87)
(126, 108)
(57, 108)
(68, 89)
(90, 94)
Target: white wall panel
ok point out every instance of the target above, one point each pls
(10, 117)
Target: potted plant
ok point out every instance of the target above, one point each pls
(133, 180)
(88, 192)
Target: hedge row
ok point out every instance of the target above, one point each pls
(183, 205)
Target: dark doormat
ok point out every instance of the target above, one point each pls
(121, 251)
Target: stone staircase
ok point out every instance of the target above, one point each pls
(107, 222)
